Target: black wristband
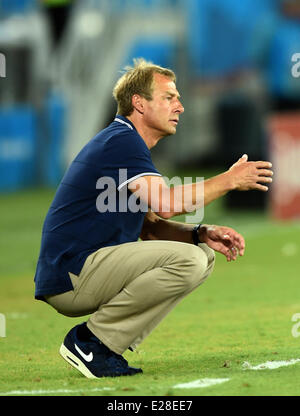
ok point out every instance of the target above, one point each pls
(195, 234)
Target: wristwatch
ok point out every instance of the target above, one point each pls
(196, 235)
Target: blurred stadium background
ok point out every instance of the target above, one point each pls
(233, 61)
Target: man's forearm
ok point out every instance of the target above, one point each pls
(216, 187)
(191, 197)
(156, 228)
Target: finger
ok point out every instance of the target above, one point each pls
(262, 165)
(265, 172)
(264, 179)
(261, 187)
(231, 254)
(232, 251)
(240, 244)
(227, 254)
(244, 158)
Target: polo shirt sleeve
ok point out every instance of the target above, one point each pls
(129, 158)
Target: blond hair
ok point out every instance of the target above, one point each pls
(137, 79)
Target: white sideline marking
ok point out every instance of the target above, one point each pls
(204, 382)
(35, 392)
(270, 365)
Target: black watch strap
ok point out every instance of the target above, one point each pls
(195, 234)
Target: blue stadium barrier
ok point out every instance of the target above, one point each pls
(119, 6)
(9, 7)
(220, 34)
(160, 51)
(17, 148)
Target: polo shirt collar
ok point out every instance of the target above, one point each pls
(125, 121)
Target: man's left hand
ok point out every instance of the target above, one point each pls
(225, 240)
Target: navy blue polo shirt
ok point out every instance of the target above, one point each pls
(92, 207)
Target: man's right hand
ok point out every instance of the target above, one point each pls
(246, 176)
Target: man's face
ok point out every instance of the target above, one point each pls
(162, 112)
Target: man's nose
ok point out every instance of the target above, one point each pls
(179, 108)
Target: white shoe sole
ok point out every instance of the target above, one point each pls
(75, 361)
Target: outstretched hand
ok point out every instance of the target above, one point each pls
(224, 240)
(250, 175)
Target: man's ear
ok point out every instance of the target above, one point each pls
(137, 103)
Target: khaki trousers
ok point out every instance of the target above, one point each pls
(129, 288)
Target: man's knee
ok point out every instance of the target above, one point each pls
(200, 265)
(211, 256)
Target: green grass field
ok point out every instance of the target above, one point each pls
(242, 313)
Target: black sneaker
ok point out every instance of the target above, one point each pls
(92, 358)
